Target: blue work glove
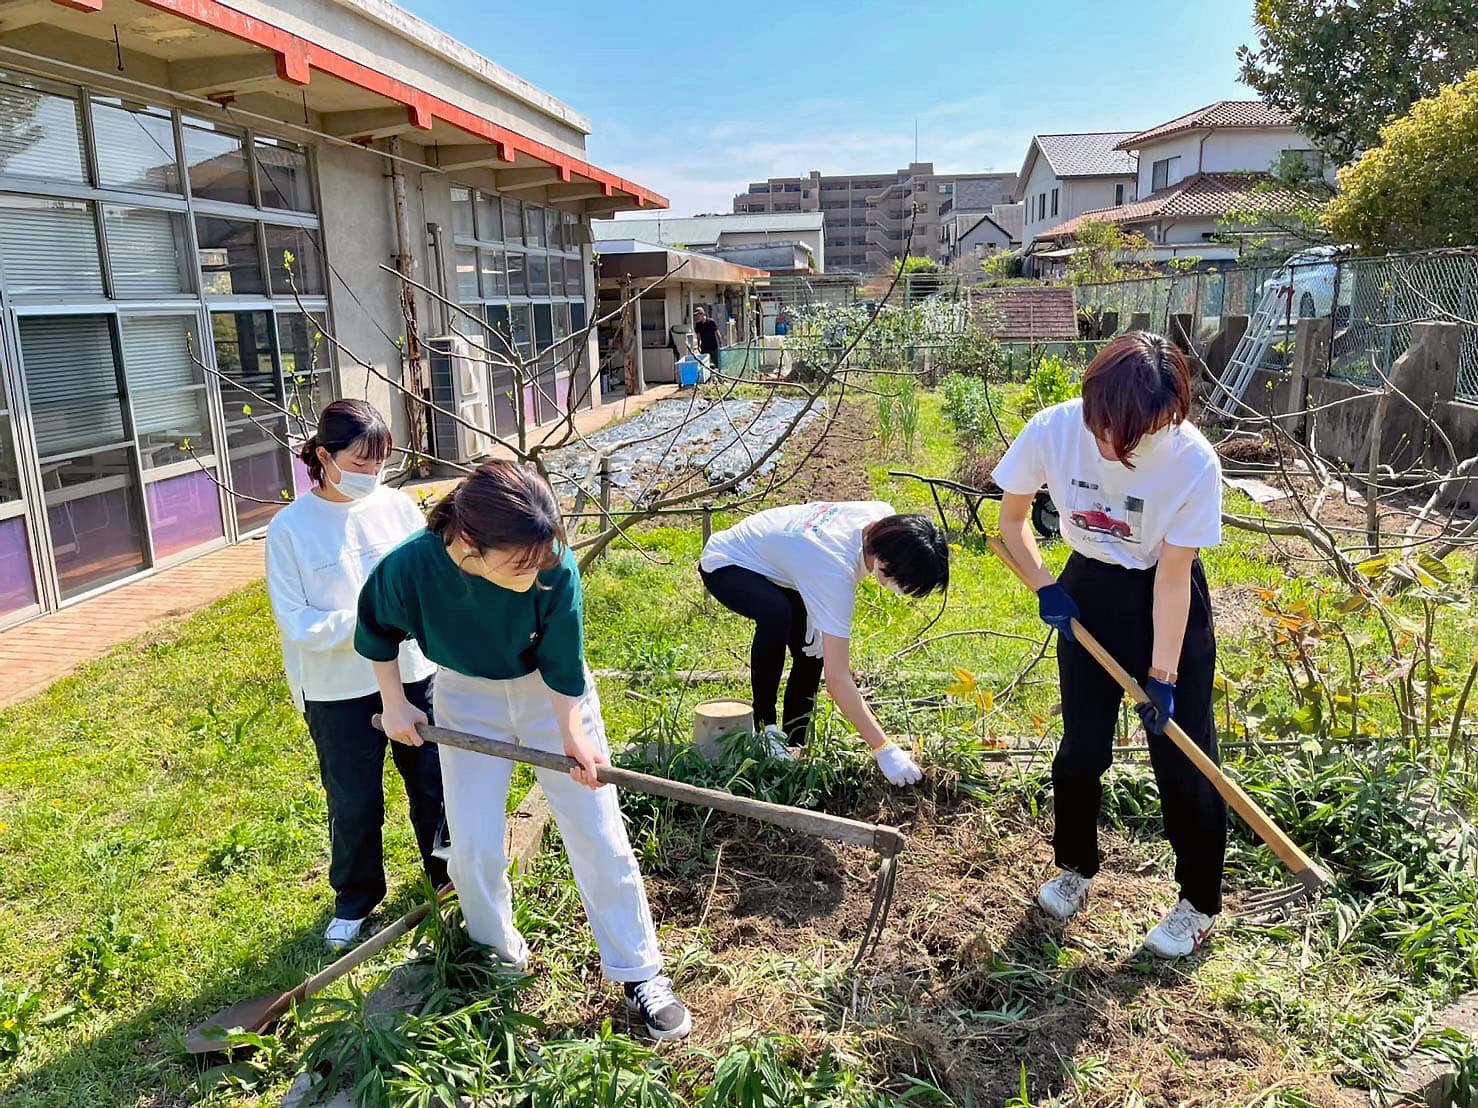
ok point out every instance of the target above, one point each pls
(1155, 713)
(1057, 609)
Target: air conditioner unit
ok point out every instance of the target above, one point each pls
(459, 383)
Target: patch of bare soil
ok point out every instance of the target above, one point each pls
(971, 980)
(832, 458)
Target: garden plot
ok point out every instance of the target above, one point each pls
(718, 439)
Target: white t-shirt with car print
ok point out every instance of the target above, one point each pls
(1111, 512)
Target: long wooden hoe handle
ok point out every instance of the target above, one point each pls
(1303, 867)
(880, 837)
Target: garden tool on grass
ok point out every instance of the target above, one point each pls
(1310, 877)
(260, 1013)
(887, 841)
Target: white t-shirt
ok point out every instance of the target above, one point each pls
(319, 553)
(815, 549)
(1109, 511)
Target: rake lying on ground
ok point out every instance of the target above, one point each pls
(1310, 877)
(887, 841)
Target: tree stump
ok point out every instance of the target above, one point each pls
(715, 718)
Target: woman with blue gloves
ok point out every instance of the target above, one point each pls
(1139, 491)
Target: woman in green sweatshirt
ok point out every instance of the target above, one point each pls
(491, 594)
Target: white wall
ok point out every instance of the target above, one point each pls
(1041, 179)
(816, 240)
(1229, 150)
(1087, 194)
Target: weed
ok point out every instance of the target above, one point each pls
(99, 962)
(609, 1070)
(1052, 382)
(256, 1060)
(17, 1015)
(248, 842)
(753, 1074)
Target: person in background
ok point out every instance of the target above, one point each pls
(794, 571)
(707, 332)
(1139, 490)
(320, 549)
(491, 593)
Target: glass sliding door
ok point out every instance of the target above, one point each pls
(18, 595)
(171, 413)
(305, 373)
(256, 434)
(88, 468)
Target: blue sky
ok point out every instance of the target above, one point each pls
(694, 103)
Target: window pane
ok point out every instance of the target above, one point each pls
(148, 252)
(10, 481)
(216, 161)
(519, 314)
(554, 228)
(282, 175)
(494, 273)
(135, 146)
(512, 221)
(17, 582)
(556, 277)
(534, 225)
(258, 462)
(166, 389)
(466, 274)
(543, 327)
(229, 262)
(91, 499)
(577, 316)
(73, 383)
(538, 269)
(574, 278)
(184, 511)
(292, 254)
(40, 135)
(49, 248)
(517, 285)
(305, 364)
(92, 511)
(462, 212)
(489, 218)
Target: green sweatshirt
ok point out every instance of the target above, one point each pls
(469, 624)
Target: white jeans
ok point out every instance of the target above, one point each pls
(476, 789)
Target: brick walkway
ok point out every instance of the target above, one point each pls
(43, 650)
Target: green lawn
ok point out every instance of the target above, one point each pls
(162, 832)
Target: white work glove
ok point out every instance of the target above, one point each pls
(897, 765)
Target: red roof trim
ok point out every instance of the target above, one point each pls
(297, 57)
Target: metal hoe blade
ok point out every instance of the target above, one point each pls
(882, 905)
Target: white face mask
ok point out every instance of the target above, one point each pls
(888, 583)
(356, 486)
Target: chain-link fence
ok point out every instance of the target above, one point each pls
(1372, 301)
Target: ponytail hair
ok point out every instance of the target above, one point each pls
(503, 505)
(341, 425)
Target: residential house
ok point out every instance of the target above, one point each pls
(1063, 176)
(873, 219)
(1194, 172)
(735, 237)
(213, 182)
(971, 237)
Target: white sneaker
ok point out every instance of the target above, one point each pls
(1063, 896)
(1180, 932)
(341, 933)
(777, 742)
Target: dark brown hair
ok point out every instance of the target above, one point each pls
(503, 506)
(343, 424)
(1131, 386)
(912, 550)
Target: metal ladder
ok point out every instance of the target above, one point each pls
(1272, 310)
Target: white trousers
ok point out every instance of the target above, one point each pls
(476, 789)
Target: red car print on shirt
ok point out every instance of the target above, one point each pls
(1094, 520)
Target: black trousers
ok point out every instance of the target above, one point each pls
(1117, 605)
(779, 616)
(351, 758)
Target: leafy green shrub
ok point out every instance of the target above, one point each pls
(1052, 382)
(967, 406)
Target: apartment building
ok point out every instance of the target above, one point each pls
(872, 219)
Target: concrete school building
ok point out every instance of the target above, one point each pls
(182, 180)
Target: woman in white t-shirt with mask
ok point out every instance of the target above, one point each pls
(1138, 489)
(320, 550)
(794, 571)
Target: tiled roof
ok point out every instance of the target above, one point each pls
(1202, 194)
(1028, 312)
(1088, 155)
(1224, 113)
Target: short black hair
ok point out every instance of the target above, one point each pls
(912, 550)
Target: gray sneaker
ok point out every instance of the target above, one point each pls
(1064, 896)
